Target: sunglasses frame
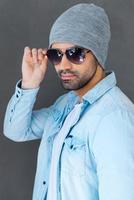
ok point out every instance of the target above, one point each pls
(68, 56)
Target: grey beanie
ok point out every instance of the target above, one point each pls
(85, 25)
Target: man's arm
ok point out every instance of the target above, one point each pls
(21, 123)
(114, 154)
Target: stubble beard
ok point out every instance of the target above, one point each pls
(78, 82)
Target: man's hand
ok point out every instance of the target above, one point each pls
(34, 65)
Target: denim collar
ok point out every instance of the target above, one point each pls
(89, 98)
(100, 88)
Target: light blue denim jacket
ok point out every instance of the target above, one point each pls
(97, 158)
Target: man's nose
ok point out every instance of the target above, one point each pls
(65, 63)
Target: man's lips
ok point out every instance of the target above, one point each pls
(67, 76)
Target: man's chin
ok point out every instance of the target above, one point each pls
(68, 86)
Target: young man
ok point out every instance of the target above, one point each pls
(87, 135)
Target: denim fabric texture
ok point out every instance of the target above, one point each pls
(97, 157)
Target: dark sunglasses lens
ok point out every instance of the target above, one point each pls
(54, 56)
(76, 55)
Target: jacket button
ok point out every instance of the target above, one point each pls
(44, 182)
(71, 146)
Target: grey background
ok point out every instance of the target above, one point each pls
(28, 22)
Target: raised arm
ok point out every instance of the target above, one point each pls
(21, 123)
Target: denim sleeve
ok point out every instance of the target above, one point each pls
(113, 150)
(21, 123)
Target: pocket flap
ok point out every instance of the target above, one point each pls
(73, 142)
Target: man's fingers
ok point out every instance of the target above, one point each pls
(40, 55)
(35, 55)
(27, 53)
(27, 50)
(44, 51)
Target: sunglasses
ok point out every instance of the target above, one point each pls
(74, 54)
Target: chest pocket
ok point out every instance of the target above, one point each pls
(73, 156)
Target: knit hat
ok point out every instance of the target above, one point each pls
(85, 25)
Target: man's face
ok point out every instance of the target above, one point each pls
(75, 76)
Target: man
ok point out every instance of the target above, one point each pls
(87, 135)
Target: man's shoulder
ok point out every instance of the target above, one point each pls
(118, 100)
(110, 103)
